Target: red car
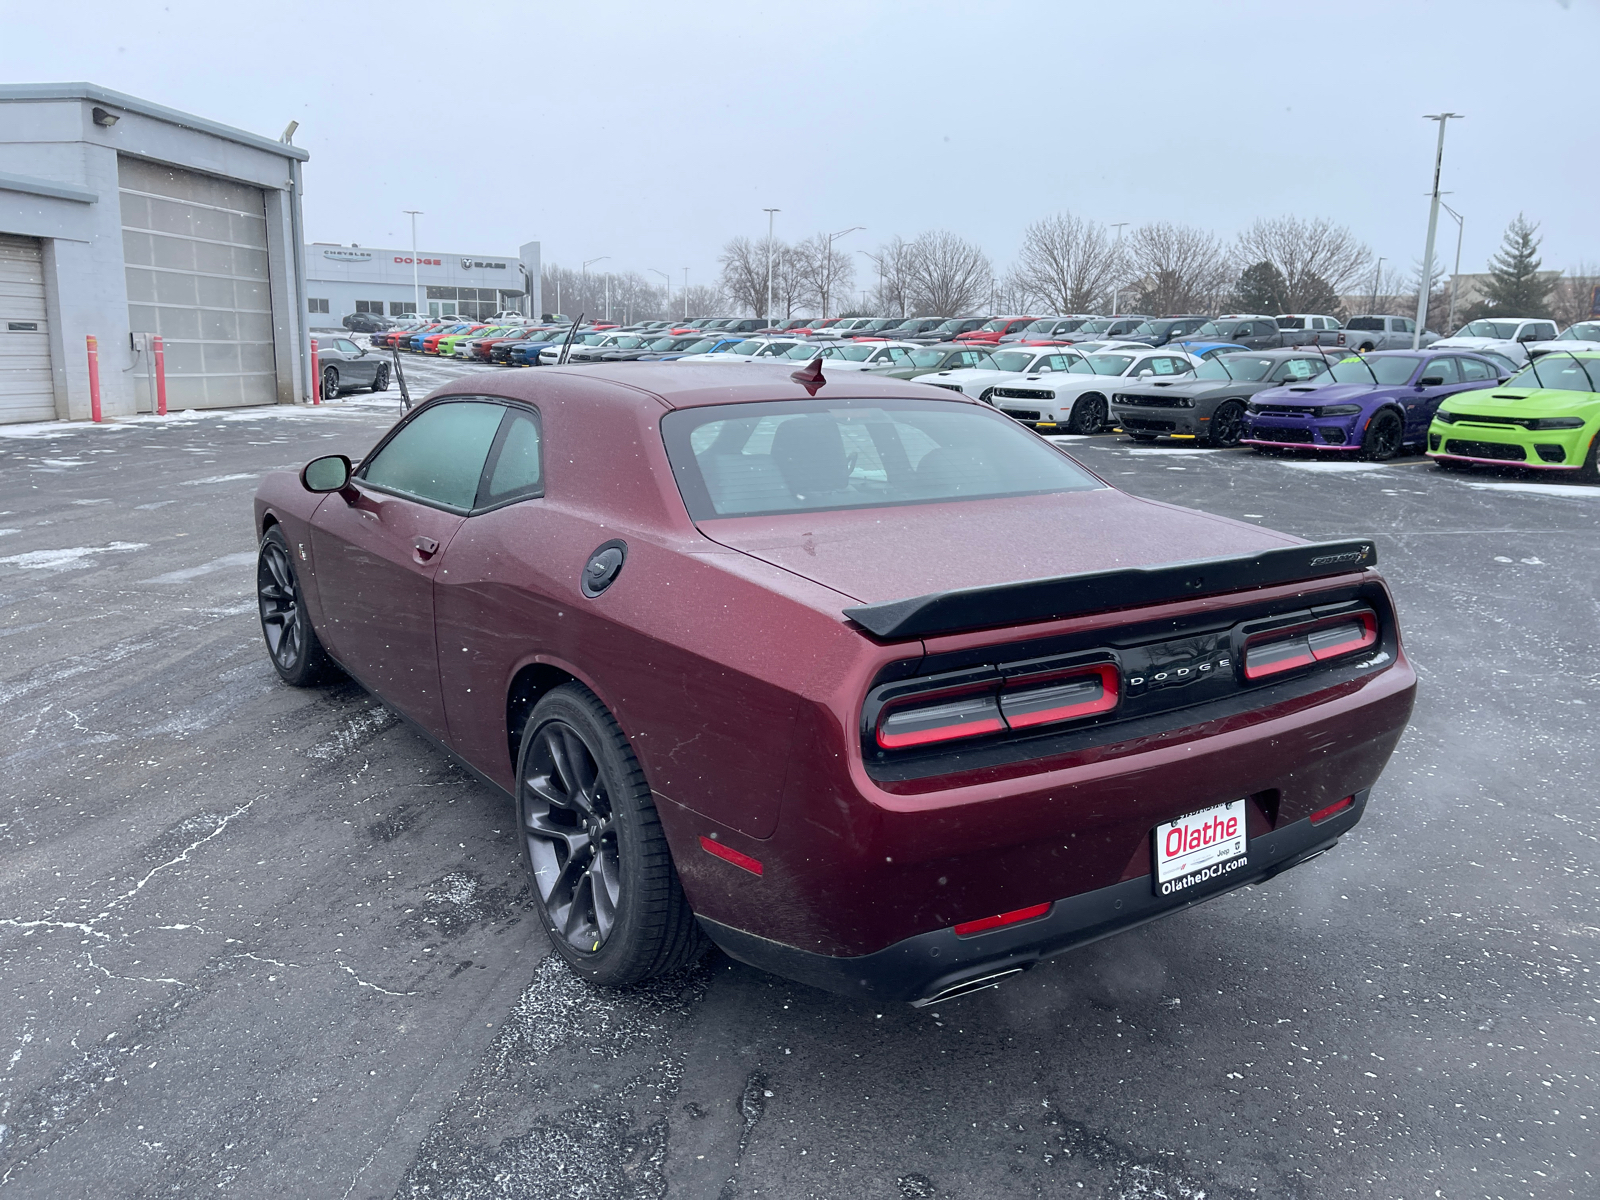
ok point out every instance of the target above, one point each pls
(992, 331)
(786, 664)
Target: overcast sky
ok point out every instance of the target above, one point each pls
(651, 133)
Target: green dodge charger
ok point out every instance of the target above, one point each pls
(1547, 415)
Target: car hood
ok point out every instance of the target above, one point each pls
(1524, 402)
(983, 377)
(1313, 392)
(1197, 387)
(877, 555)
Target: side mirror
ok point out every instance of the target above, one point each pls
(1146, 373)
(331, 473)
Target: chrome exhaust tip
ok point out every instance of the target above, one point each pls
(978, 983)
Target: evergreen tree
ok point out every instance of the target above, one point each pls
(1261, 288)
(1515, 287)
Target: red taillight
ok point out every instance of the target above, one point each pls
(1333, 810)
(984, 924)
(1061, 699)
(1276, 652)
(729, 854)
(994, 706)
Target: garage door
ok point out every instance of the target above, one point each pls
(26, 393)
(196, 254)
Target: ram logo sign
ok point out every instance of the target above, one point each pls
(468, 264)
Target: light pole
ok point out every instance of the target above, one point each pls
(666, 306)
(1461, 227)
(1116, 252)
(770, 212)
(583, 278)
(879, 261)
(686, 293)
(827, 265)
(1433, 226)
(1377, 282)
(416, 291)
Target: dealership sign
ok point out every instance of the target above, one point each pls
(348, 255)
(468, 264)
(421, 262)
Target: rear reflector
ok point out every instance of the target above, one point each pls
(966, 717)
(984, 924)
(729, 854)
(1062, 700)
(1333, 810)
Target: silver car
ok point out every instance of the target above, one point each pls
(345, 365)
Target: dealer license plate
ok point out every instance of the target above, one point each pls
(1200, 848)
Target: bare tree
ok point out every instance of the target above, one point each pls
(744, 272)
(827, 269)
(1313, 256)
(791, 282)
(1176, 268)
(950, 277)
(1069, 263)
(699, 301)
(893, 260)
(1574, 298)
(1012, 293)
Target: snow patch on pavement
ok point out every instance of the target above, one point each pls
(72, 559)
(218, 479)
(1332, 468)
(1162, 451)
(1569, 491)
(224, 563)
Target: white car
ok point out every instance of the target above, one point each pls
(550, 355)
(854, 356)
(1007, 365)
(1076, 401)
(749, 350)
(1585, 335)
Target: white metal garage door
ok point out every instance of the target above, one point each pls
(196, 255)
(26, 393)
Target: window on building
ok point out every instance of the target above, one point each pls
(402, 308)
(370, 306)
(315, 305)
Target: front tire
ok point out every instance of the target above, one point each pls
(292, 645)
(1227, 425)
(330, 384)
(1590, 471)
(606, 888)
(1382, 439)
(380, 380)
(1088, 414)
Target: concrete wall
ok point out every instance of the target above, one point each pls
(53, 137)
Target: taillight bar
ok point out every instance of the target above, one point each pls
(1286, 650)
(940, 722)
(1080, 695)
(999, 704)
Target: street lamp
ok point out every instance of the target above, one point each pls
(416, 291)
(827, 264)
(583, 279)
(1377, 281)
(1461, 227)
(686, 293)
(1116, 297)
(769, 212)
(666, 307)
(1433, 226)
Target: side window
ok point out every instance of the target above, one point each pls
(1443, 369)
(1472, 369)
(899, 355)
(1544, 330)
(438, 456)
(515, 470)
(1057, 362)
(1408, 326)
(347, 347)
(969, 358)
(1161, 366)
(1299, 368)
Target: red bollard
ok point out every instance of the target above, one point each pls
(94, 378)
(316, 375)
(161, 379)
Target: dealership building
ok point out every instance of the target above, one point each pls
(123, 221)
(341, 280)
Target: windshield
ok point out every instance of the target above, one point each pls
(1110, 364)
(745, 347)
(1243, 367)
(1012, 360)
(663, 344)
(848, 353)
(928, 358)
(1504, 330)
(1588, 331)
(1099, 325)
(629, 343)
(1387, 371)
(950, 326)
(1559, 373)
(808, 456)
(997, 325)
(703, 346)
(1221, 330)
(1150, 329)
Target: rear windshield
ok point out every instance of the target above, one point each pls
(1559, 373)
(812, 455)
(1503, 330)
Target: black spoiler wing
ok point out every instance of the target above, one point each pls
(1098, 591)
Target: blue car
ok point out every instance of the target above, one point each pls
(708, 345)
(526, 353)
(1374, 405)
(1212, 349)
(414, 342)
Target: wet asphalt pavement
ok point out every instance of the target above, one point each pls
(264, 942)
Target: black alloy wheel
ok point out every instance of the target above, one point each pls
(380, 378)
(292, 645)
(330, 383)
(603, 875)
(1382, 440)
(1227, 424)
(1590, 471)
(1088, 414)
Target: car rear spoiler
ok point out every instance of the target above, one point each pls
(1098, 591)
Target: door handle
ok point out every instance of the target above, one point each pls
(425, 548)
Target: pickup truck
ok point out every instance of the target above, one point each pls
(1310, 329)
(1384, 333)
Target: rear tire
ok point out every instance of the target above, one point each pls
(380, 380)
(1382, 440)
(606, 888)
(1088, 414)
(330, 384)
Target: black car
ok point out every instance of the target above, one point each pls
(1257, 332)
(1209, 405)
(1165, 329)
(1046, 329)
(1105, 329)
(366, 323)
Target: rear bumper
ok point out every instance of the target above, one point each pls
(932, 966)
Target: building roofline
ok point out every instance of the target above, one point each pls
(45, 187)
(99, 95)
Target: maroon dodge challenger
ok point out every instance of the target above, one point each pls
(856, 679)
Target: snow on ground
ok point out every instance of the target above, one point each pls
(1569, 491)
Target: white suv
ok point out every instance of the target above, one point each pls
(1509, 336)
